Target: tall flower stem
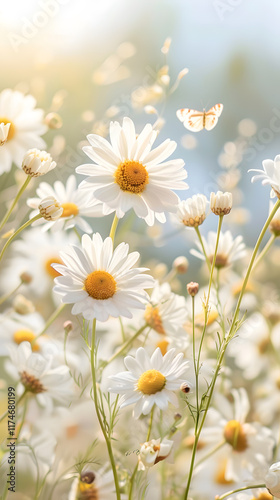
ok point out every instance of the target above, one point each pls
(265, 249)
(150, 424)
(126, 344)
(8, 295)
(52, 318)
(24, 226)
(225, 343)
(96, 403)
(251, 487)
(203, 248)
(114, 228)
(20, 192)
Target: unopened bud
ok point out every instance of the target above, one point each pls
(22, 305)
(26, 278)
(68, 326)
(221, 203)
(87, 477)
(50, 209)
(53, 121)
(181, 264)
(177, 416)
(192, 288)
(185, 387)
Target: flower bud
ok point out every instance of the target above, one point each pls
(181, 264)
(22, 305)
(26, 278)
(192, 288)
(68, 326)
(272, 479)
(50, 209)
(185, 387)
(221, 203)
(87, 477)
(53, 121)
(36, 163)
(4, 132)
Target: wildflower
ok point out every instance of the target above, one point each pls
(101, 282)
(269, 175)
(75, 205)
(221, 203)
(150, 381)
(192, 212)
(129, 174)
(36, 163)
(26, 127)
(153, 451)
(229, 249)
(50, 209)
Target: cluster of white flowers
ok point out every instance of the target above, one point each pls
(169, 376)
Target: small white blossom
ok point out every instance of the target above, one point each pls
(269, 175)
(192, 212)
(50, 209)
(272, 479)
(221, 203)
(153, 452)
(36, 163)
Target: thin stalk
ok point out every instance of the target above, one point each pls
(150, 423)
(8, 295)
(194, 362)
(23, 417)
(9, 241)
(49, 322)
(114, 228)
(96, 403)
(126, 344)
(9, 211)
(210, 453)
(251, 487)
(132, 482)
(203, 248)
(265, 249)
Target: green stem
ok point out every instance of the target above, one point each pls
(23, 417)
(194, 363)
(49, 322)
(240, 489)
(265, 249)
(210, 453)
(203, 248)
(96, 403)
(114, 228)
(150, 424)
(8, 213)
(126, 344)
(8, 295)
(9, 241)
(132, 482)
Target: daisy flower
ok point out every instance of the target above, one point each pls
(101, 282)
(75, 204)
(16, 328)
(128, 174)
(150, 381)
(269, 175)
(38, 377)
(92, 486)
(248, 445)
(26, 126)
(229, 249)
(192, 212)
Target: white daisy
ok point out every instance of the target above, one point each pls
(269, 175)
(101, 282)
(37, 375)
(248, 444)
(150, 381)
(229, 249)
(75, 204)
(221, 203)
(93, 485)
(166, 312)
(154, 451)
(15, 328)
(192, 212)
(128, 174)
(26, 126)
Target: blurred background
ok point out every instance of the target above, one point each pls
(92, 61)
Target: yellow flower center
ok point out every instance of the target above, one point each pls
(220, 474)
(69, 209)
(264, 495)
(197, 221)
(235, 436)
(236, 289)
(221, 260)
(100, 285)
(25, 335)
(153, 318)
(263, 345)
(132, 176)
(12, 129)
(49, 269)
(163, 344)
(151, 381)
(200, 318)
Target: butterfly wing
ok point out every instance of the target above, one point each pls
(212, 116)
(192, 119)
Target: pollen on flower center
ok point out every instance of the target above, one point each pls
(31, 383)
(25, 335)
(235, 436)
(100, 285)
(132, 176)
(153, 318)
(49, 269)
(69, 209)
(151, 381)
(12, 129)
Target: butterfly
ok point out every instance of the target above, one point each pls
(198, 120)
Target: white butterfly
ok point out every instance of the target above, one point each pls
(198, 120)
